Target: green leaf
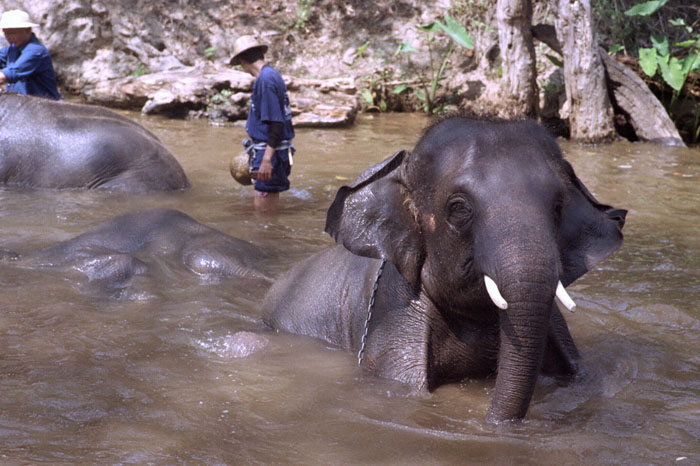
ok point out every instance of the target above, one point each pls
(399, 89)
(688, 64)
(646, 8)
(696, 63)
(139, 71)
(686, 43)
(420, 94)
(362, 48)
(210, 51)
(405, 47)
(367, 97)
(680, 22)
(430, 27)
(457, 32)
(672, 72)
(660, 43)
(647, 60)
(555, 61)
(616, 48)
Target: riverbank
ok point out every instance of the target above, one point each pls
(338, 57)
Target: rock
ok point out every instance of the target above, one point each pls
(349, 56)
(223, 93)
(144, 55)
(115, 39)
(174, 92)
(324, 116)
(163, 98)
(224, 112)
(168, 63)
(323, 103)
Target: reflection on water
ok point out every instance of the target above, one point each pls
(144, 377)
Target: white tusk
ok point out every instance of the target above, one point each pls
(564, 297)
(494, 294)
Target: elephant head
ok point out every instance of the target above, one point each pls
(489, 222)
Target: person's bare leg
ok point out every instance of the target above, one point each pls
(266, 202)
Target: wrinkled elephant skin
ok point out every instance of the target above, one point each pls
(49, 144)
(474, 199)
(117, 250)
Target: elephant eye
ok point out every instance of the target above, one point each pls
(460, 212)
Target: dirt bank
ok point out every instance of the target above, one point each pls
(171, 57)
(95, 42)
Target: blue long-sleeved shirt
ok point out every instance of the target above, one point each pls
(269, 102)
(29, 69)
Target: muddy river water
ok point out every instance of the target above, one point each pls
(144, 377)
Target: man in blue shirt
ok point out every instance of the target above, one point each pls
(269, 124)
(25, 65)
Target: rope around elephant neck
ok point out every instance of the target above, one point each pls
(369, 311)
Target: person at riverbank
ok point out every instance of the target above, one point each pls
(269, 125)
(25, 64)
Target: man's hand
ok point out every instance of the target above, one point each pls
(265, 170)
(3, 78)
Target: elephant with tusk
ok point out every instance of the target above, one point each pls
(501, 303)
(449, 260)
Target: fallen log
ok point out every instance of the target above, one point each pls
(646, 114)
(631, 96)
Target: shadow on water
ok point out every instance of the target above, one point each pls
(142, 376)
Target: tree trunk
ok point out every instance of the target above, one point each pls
(631, 96)
(519, 81)
(590, 110)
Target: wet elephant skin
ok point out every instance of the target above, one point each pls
(474, 199)
(117, 250)
(49, 144)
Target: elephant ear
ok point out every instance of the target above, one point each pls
(372, 218)
(590, 231)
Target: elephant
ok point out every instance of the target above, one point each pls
(117, 250)
(55, 144)
(448, 261)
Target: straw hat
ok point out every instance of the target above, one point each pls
(244, 43)
(16, 19)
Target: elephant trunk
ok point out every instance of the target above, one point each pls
(528, 289)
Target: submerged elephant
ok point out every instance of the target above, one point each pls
(481, 225)
(49, 144)
(115, 251)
